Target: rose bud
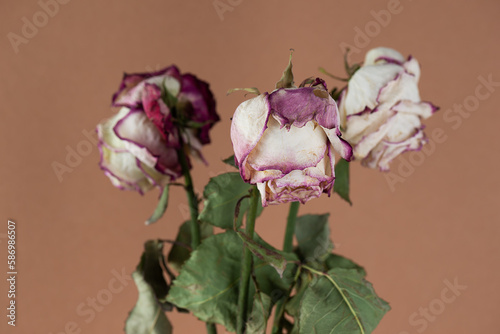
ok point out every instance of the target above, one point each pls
(283, 143)
(381, 110)
(162, 112)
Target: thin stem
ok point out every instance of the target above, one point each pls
(247, 265)
(193, 209)
(290, 226)
(287, 247)
(192, 200)
(322, 70)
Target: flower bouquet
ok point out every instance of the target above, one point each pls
(291, 145)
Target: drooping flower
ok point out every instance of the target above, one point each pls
(284, 143)
(381, 110)
(161, 113)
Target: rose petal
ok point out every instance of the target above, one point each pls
(422, 109)
(288, 149)
(133, 97)
(386, 151)
(383, 55)
(129, 81)
(295, 186)
(248, 125)
(369, 141)
(364, 86)
(143, 140)
(297, 106)
(360, 125)
(403, 87)
(201, 99)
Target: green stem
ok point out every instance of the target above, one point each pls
(247, 265)
(290, 226)
(192, 200)
(193, 209)
(287, 247)
(322, 70)
(211, 329)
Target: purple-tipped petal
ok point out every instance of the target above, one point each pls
(422, 109)
(289, 146)
(364, 87)
(123, 169)
(131, 80)
(144, 140)
(387, 84)
(300, 105)
(248, 125)
(202, 104)
(403, 87)
(387, 151)
(295, 186)
(383, 55)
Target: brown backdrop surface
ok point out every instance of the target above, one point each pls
(438, 224)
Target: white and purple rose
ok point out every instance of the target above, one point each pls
(381, 110)
(284, 143)
(139, 145)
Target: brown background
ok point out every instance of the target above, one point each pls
(440, 223)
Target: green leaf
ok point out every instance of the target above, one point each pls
(230, 161)
(268, 279)
(313, 236)
(267, 254)
(150, 267)
(147, 317)
(221, 196)
(341, 301)
(252, 90)
(261, 310)
(341, 185)
(161, 207)
(208, 282)
(292, 307)
(286, 80)
(180, 251)
(336, 261)
(148, 314)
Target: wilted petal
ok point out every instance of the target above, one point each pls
(381, 108)
(422, 109)
(202, 104)
(403, 87)
(133, 97)
(286, 149)
(358, 126)
(339, 144)
(387, 151)
(364, 88)
(295, 186)
(412, 67)
(297, 106)
(143, 140)
(383, 55)
(247, 127)
(123, 169)
(369, 141)
(124, 98)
